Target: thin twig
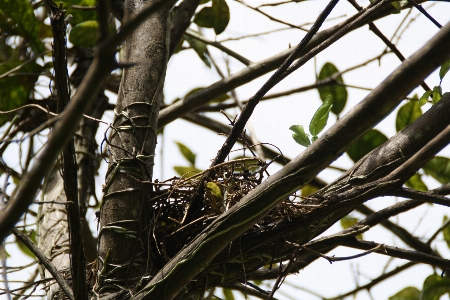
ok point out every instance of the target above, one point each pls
(6, 74)
(388, 43)
(274, 79)
(274, 30)
(219, 46)
(45, 262)
(424, 12)
(270, 17)
(420, 196)
(375, 281)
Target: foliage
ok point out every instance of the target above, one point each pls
(367, 143)
(215, 16)
(317, 124)
(337, 92)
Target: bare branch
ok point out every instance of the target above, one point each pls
(386, 40)
(181, 22)
(270, 17)
(424, 12)
(47, 264)
(377, 280)
(414, 256)
(219, 46)
(420, 196)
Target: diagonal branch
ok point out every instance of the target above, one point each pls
(420, 196)
(385, 40)
(255, 70)
(181, 22)
(47, 264)
(233, 223)
(377, 280)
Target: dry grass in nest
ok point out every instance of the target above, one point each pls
(232, 181)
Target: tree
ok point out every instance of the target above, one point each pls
(230, 225)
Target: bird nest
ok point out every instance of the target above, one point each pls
(231, 181)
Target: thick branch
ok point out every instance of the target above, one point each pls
(227, 227)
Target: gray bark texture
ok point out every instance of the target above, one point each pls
(125, 212)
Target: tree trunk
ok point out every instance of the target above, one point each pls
(125, 213)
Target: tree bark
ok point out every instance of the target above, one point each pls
(125, 213)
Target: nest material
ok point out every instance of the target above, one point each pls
(232, 181)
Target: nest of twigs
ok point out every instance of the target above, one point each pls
(232, 180)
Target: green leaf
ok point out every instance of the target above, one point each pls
(216, 16)
(80, 15)
(24, 248)
(444, 69)
(437, 94)
(199, 47)
(424, 99)
(337, 92)
(15, 90)
(349, 221)
(398, 5)
(367, 143)
(416, 183)
(408, 293)
(439, 169)
(446, 231)
(320, 118)
(17, 18)
(434, 287)
(84, 34)
(186, 171)
(205, 17)
(408, 113)
(221, 14)
(214, 189)
(228, 294)
(300, 136)
(187, 153)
